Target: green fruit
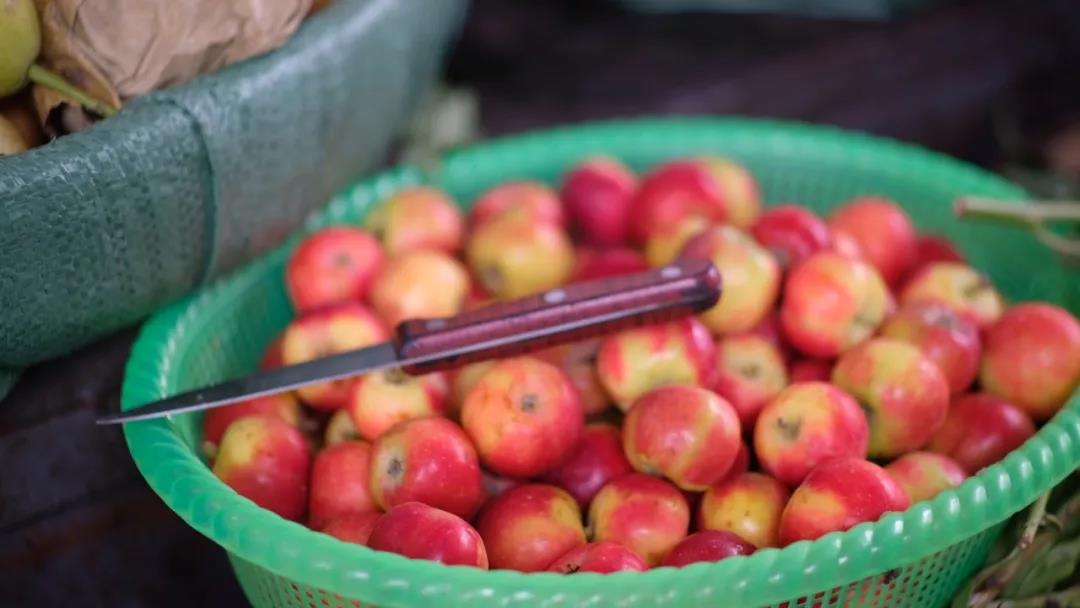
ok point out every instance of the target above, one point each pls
(11, 142)
(20, 42)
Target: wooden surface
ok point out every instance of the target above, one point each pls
(78, 526)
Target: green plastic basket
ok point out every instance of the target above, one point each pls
(916, 558)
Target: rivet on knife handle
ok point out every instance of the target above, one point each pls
(566, 314)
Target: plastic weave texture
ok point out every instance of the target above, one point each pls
(101, 228)
(917, 558)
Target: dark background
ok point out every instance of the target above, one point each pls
(992, 82)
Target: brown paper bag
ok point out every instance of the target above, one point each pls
(120, 49)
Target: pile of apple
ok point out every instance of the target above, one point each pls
(851, 368)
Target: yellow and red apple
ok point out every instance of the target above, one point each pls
(414, 218)
(903, 393)
(524, 415)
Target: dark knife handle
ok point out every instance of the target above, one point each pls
(567, 314)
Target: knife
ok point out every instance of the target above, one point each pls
(574, 312)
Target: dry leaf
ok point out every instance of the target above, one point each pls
(19, 111)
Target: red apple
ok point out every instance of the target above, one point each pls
(339, 483)
(462, 380)
(597, 195)
(706, 546)
(805, 425)
(578, 360)
(340, 428)
(956, 285)
(514, 257)
(741, 464)
(634, 361)
(741, 191)
(419, 531)
(477, 297)
(837, 495)
(952, 342)
(712, 188)
(531, 201)
(417, 218)
(332, 266)
(430, 460)
(381, 399)
(353, 527)
(791, 233)
(748, 505)
(750, 372)
(930, 248)
(528, 527)
(327, 332)
(282, 405)
(832, 303)
(420, 285)
(980, 430)
(688, 434)
(272, 355)
(596, 459)
(602, 263)
(883, 231)
(751, 278)
(601, 558)
(672, 192)
(811, 370)
(665, 244)
(647, 515)
(769, 328)
(266, 460)
(524, 417)
(923, 475)
(904, 395)
(845, 245)
(1032, 358)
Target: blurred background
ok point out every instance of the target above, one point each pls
(994, 82)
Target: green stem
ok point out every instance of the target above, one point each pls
(1033, 216)
(1034, 559)
(987, 584)
(1027, 213)
(54, 81)
(1032, 523)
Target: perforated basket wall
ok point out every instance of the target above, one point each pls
(916, 558)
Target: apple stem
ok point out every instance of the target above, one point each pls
(46, 78)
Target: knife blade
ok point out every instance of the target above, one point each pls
(574, 312)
